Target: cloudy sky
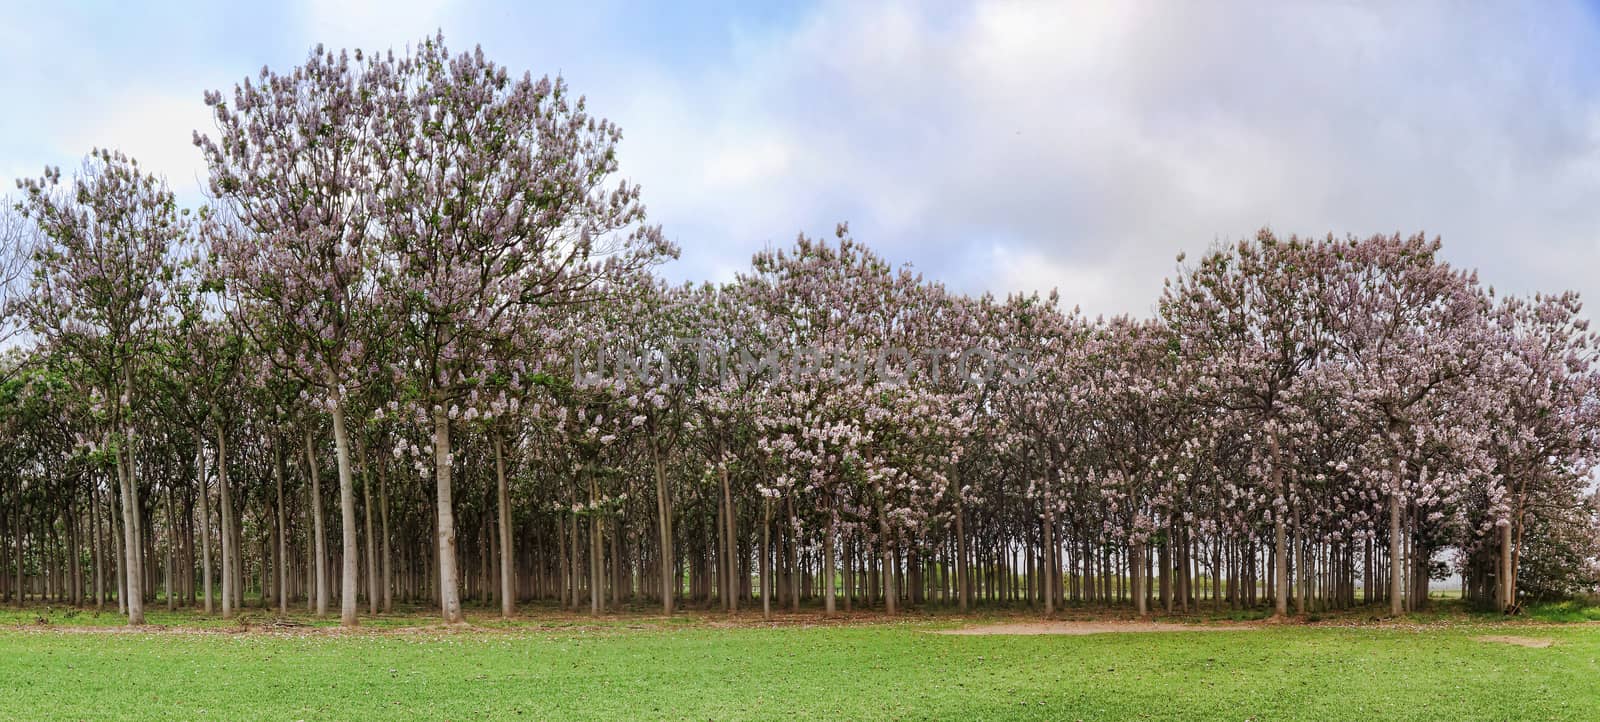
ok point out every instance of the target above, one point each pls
(996, 146)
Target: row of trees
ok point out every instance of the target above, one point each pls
(418, 279)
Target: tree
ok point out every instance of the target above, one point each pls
(495, 199)
(293, 163)
(1250, 325)
(1542, 426)
(1408, 331)
(98, 292)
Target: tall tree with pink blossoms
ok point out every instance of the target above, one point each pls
(1406, 330)
(1250, 326)
(1544, 424)
(293, 162)
(497, 196)
(1048, 415)
(98, 292)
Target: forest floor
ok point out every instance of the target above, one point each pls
(60, 663)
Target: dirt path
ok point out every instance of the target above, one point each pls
(1094, 628)
(1534, 642)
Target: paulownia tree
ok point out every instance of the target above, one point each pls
(496, 197)
(1250, 325)
(292, 161)
(98, 293)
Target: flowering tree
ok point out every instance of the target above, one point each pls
(1542, 425)
(1249, 321)
(1048, 416)
(1408, 331)
(98, 293)
(495, 199)
(293, 163)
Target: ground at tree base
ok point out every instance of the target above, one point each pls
(546, 664)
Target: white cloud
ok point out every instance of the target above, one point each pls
(1000, 146)
(1084, 146)
(153, 127)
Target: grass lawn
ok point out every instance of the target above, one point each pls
(563, 667)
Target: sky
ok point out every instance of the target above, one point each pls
(1002, 147)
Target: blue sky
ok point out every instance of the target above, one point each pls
(996, 146)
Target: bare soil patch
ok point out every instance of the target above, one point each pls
(1078, 628)
(1534, 642)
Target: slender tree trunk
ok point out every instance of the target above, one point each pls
(133, 573)
(792, 558)
(97, 544)
(616, 563)
(283, 528)
(1520, 522)
(205, 524)
(596, 550)
(669, 580)
(115, 527)
(372, 546)
(1164, 577)
(829, 564)
(1507, 586)
(508, 567)
(1047, 579)
(172, 530)
(225, 500)
(319, 533)
(574, 577)
(349, 555)
(766, 557)
(449, 592)
(1396, 565)
(732, 545)
(383, 510)
(1280, 569)
(1136, 580)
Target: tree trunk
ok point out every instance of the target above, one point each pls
(828, 565)
(890, 595)
(225, 500)
(731, 547)
(283, 528)
(205, 523)
(133, 574)
(172, 550)
(1047, 579)
(1136, 572)
(766, 557)
(1396, 566)
(669, 580)
(596, 551)
(383, 510)
(349, 556)
(96, 544)
(792, 558)
(372, 546)
(508, 599)
(319, 534)
(449, 594)
(1280, 567)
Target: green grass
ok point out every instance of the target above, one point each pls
(557, 666)
(1569, 611)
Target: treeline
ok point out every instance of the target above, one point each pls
(413, 350)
